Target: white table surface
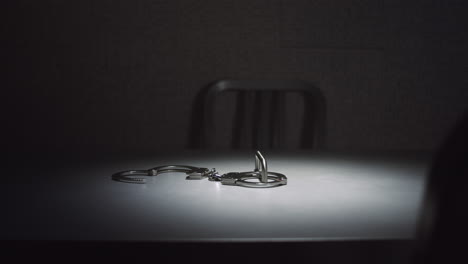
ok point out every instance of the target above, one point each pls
(328, 197)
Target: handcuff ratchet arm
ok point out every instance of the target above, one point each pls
(261, 167)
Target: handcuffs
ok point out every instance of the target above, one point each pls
(259, 178)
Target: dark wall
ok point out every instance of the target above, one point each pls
(115, 75)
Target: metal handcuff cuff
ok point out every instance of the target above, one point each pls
(259, 178)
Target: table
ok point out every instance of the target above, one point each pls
(328, 197)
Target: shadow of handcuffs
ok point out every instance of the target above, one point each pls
(259, 178)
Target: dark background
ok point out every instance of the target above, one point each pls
(108, 76)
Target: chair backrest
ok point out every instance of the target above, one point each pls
(260, 116)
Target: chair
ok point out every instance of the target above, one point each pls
(260, 116)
